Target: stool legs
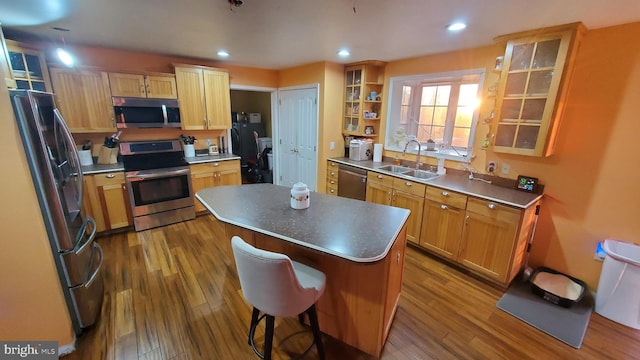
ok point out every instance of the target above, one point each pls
(254, 323)
(317, 337)
(268, 337)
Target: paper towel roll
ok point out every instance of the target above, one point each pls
(377, 152)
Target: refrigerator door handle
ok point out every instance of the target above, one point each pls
(81, 246)
(76, 160)
(95, 273)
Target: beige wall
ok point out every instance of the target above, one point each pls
(32, 306)
(330, 78)
(591, 182)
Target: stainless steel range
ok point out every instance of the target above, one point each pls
(159, 183)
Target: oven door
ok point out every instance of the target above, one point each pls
(158, 190)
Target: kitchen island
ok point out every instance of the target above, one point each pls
(358, 245)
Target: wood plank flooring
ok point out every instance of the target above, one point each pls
(171, 293)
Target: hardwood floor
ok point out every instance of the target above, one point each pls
(171, 293)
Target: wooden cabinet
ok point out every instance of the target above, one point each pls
(9, 82)
(533, 85)
(84, 99)
(332, 178)
(108, 200)
(28, 66)
(363, 98)
(145, 86)
(212, 174)
(205, 99)
(442, 222)
(490, 238)
(389, 190)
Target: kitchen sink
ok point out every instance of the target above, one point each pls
(422, 174)
(396, 169)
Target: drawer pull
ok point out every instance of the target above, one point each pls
(216, 164)
(331, 190)
(444, 193)
(333, 174)
(380, 176)
(111, 176)
(491, 206)
(333, 181)
(444, 207)
(408, 183)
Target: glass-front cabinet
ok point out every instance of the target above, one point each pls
(533, 83)
(28, 67)
(363, 98)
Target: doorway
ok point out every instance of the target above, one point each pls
(252, 111)
(297, 133)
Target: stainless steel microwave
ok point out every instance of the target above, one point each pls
(146, 113)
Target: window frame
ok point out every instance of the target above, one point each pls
(459, 77)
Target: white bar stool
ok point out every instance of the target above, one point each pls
(277, 286)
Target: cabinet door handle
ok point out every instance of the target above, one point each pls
(444, 207)
(141, 89)
(408, 183)
(148, 89)
(491, 206)
(444, 193)
(398, 257)
(110, 176)
(466, 220)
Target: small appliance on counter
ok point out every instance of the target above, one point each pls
(360, 150)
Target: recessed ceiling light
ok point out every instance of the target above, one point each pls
(223, 53)
(457, 26)
(344, 53)
(65, 57)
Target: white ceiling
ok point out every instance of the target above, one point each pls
(277, 34)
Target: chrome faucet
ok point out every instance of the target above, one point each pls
(418, 163)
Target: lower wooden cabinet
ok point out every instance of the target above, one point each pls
(107, 200)
(332, 178)
(388, 190)
(212, 174)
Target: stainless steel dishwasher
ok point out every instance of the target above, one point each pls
(352, 182)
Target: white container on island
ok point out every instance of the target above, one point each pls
(299, 196)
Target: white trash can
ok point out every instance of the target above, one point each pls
(618, 296)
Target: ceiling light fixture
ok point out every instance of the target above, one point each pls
(457, 26)
(236, 3)
(344, 53)
(223, 53)
(65, 57)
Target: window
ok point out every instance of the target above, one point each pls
(441, 107)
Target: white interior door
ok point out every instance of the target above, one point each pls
(298, 136)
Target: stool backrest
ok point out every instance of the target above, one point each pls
(269, 281)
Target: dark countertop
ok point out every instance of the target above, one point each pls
(102, 168)
(211, 158)
(462, 184)
(333, 225)
(105, 168)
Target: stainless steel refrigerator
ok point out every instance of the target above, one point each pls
(57, 179)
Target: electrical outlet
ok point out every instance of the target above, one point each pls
(505, 168)
(491, 167)
(208, 142)
(332, 145)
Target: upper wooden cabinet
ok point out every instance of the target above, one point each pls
(205, 99)
(28, 67)
(533, 84)
(361, 106)
(145, 86)
(84, 99)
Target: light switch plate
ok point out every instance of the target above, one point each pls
(505, 168)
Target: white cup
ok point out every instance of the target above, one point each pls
(85, 157)
(189, 150)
